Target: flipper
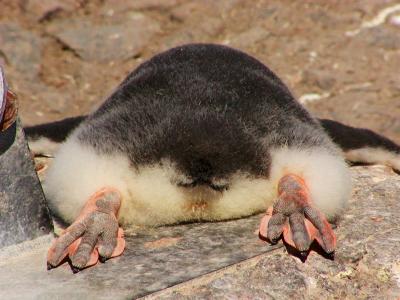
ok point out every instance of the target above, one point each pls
(44, 139)
(362, 145)
(54, 131)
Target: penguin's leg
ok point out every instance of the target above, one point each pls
(294, 215)
(95, 234)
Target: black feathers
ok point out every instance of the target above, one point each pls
(54, 131)
(210, 110)
(350, 138)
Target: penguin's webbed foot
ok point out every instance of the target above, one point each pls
(294, 216)
(94, 236)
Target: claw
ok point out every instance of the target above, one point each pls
(304, 253)
(75, 269)
(49, 266)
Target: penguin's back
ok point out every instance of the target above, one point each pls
(201, 104)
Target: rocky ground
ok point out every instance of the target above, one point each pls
(340, 58)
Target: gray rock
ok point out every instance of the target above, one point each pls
(119, 40)
(22, 49)
(154, 259)
(23, 211)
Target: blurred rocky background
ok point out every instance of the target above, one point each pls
(340, 58)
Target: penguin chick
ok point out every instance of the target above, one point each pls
(199, 132)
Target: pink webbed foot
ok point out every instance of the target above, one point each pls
(94, 236)
(294, 216)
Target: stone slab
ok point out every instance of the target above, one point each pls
(23, 211)
(366, 264)
(154, 259)
(226, 260)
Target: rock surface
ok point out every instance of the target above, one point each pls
(154, 259)
(225, 260)
(21, 49)
(366, 264)
(23, 211)
(106, 42)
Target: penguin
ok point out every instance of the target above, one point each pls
(201, 132)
